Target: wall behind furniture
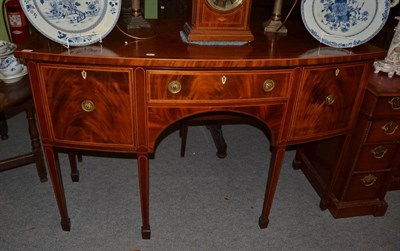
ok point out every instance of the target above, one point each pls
(150, 9)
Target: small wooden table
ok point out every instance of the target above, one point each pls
(13, 95)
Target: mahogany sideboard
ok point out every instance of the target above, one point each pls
(372, 164)
(122, 94)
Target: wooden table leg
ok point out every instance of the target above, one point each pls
(219, 141)
(143, 173)
(56, 179)
(74, 167)
(3, 126)
(35, 141)
(274, 170)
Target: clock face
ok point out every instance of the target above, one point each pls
(224, 5)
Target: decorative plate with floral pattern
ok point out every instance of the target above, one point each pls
(73, 22)
(344, 23)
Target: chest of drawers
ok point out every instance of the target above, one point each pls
(370, 167)
(381, 107)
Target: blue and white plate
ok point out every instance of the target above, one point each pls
(73, 22)
(344, 23)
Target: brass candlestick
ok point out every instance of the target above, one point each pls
(274, 24)
(135, 19)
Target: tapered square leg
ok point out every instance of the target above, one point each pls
(58, 187)
(143, 173)
(275, 167)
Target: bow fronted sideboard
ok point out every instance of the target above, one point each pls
(122, 94)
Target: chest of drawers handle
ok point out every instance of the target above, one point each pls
(395, 102)
(379, 152)
(87, 106)
(268, 85)
(369, 180)
(390, 128)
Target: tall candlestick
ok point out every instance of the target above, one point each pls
(136, 11)
(274, 24)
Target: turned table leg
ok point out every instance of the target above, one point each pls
(219, 141)
(275, 167)
(143, 173)
(35, 141)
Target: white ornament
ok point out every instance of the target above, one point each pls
(391, 63)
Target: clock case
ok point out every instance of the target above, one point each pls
(210, 24)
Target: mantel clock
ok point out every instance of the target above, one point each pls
(219, 20)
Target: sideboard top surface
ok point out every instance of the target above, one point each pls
(165, 48)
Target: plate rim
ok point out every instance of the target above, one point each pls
(336, 41)
(103, 32)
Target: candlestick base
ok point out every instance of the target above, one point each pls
(274, 26)
(135, 20)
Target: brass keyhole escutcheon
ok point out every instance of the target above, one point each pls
(88, 106)
(390, 128)
(369, 180)
(330, 99)
(268, 85)
(379, 152)
(395, 102)
(337, 72)
(84, 74)
(174, 87)
(223, 79)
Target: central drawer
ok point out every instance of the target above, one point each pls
(217, 86)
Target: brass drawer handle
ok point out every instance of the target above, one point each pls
(379, 152)
(369, 180)
(174, 87)
(395, 102)
(337, 72)
(390, 128)
(330, 99)
(268, 85)
(84, 74)
(88, 106)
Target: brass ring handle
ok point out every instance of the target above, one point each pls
(268, 85)
(87, 106)
(174, 87)
(330, 99)
(369, 180)
(390, 128)
(395, 102)
(379, 152)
